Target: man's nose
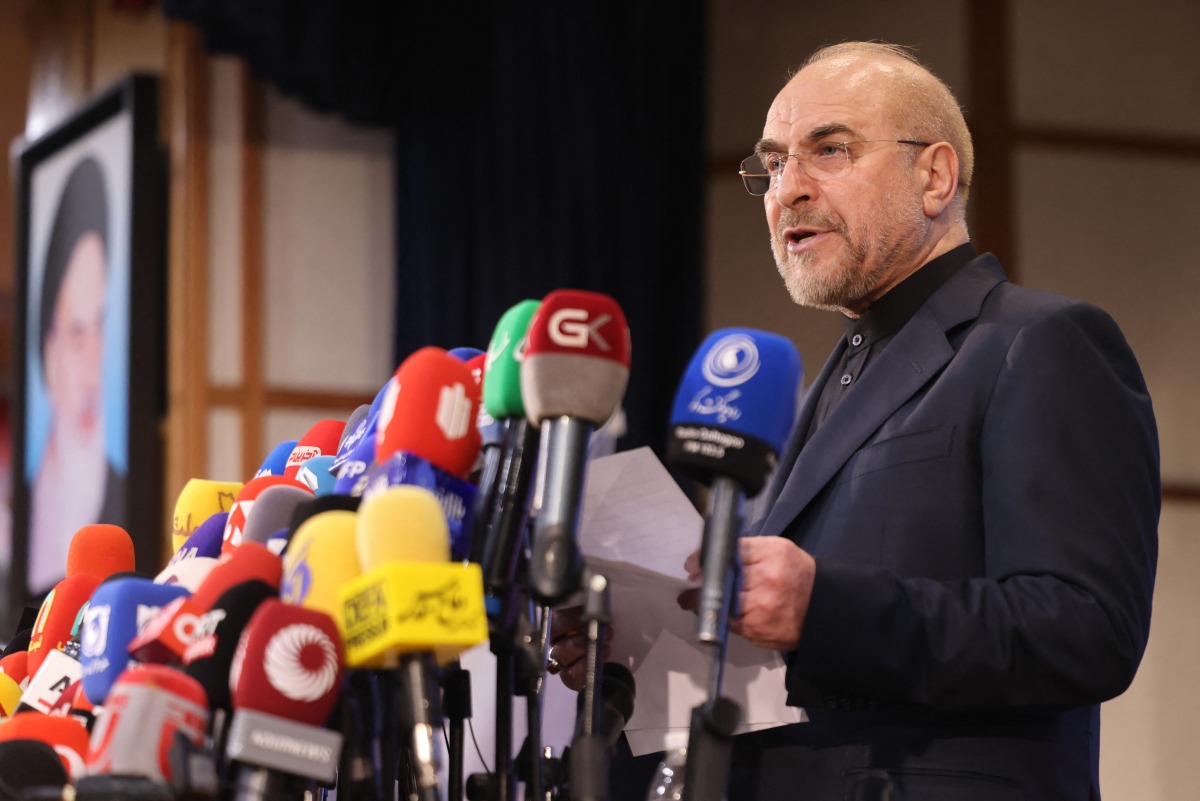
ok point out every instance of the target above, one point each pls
(794, 185)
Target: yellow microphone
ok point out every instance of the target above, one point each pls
(199, 500)
(410, 607)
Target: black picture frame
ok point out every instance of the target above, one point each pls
(56, 206)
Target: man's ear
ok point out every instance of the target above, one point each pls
(939, 165)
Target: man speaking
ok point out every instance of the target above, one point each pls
(958, 558)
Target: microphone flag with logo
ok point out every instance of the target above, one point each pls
(735, 407)
(573, 378)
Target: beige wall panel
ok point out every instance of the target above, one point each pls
(1119, 233)
(225, 222)
(127, 42)
(224, 455)
(1148, 745)
(754, 44)
(329, 251)
(285, 424)
(744, 288)
(1128, 66)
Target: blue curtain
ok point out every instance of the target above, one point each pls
(539, 145)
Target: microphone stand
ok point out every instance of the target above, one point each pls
(589, 755)
(456, 699)
(710, 738)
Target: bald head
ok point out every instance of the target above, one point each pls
(919, 104)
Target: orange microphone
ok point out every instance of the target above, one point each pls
(100, 550)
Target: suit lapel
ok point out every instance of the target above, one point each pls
(913, 358)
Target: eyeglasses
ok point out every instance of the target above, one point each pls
(823, 161)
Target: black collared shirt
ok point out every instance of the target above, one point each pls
(867, 336)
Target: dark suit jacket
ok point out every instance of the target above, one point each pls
(982, 509)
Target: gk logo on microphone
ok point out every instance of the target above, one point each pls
(454, 412)
(569, 328)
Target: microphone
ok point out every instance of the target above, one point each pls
(209, 655)
(198, 501)
(321, 558)
(285, 678)
(732, 413)
(19, 642)
(500, 526)
(16, 667)
(30, 765)
(321, 439)
(205, 541)
(189, 573)
(56, 619)
(66, 736)
(573, 377)
(117, 611)
(429, 411)
(263, 506)
(100, 550)
(358, 425)
(352, 474)
(147, 708)
(315, 474)
(427, 436)
(410, 608)
(167, 635)
(276, 461)
(10, 695)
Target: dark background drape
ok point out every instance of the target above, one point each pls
(538, 145)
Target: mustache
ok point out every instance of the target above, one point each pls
(789, 218)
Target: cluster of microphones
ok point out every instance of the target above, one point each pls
(303, 640)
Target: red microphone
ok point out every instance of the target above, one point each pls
(321, 439)
(430, 412)
(16, 667)
(146, 708)
(178, 624)
(285, 676)
(100, 550)
(573, 377)
(57, 616)
(275, 493)
(66, 736)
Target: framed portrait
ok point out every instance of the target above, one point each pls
(89, 342)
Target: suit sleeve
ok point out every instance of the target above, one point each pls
(1068, 460)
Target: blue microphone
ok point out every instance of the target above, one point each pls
(735, 407)
(352, 474)
(276, 461)
(117, 611)
(359, 426)
(317, 475)
(733, 411)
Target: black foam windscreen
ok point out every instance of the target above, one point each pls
(26, 764)
(19, 642)
(323, 503)
(208, 660)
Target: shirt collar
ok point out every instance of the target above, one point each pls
(888, 315)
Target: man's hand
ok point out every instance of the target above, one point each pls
(777, 581)
(568, 646)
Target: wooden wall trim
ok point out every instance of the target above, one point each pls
(280, 397)
(253, 307)
(188, 118)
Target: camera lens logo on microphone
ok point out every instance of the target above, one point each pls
(301, 662)
(731, 361)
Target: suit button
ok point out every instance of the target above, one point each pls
(846, 379)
